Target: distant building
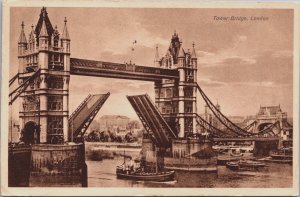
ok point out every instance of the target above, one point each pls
(113, 122)
(238, 120)
(269, 115)
(209, 117)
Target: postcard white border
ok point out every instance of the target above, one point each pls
(5, 190)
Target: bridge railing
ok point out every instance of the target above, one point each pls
(80, 106)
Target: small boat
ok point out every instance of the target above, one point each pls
(129, 172)
(282, 156)
(245, 165)
(236, 154)
(250, 164)
(145, 176)
(232, 165)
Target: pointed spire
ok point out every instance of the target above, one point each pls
(174, 35)
(181, 52)
(43, 10)
(31, 35)
(65, 35)
(22, 38)
(217, 105)
(194, 56)
(156, 58)
(44, 32)
(43, 19)
(156, 54)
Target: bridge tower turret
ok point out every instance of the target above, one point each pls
(181, 89)
(193, 74)
(22, 50)
(44, 104)
(156, 58)
(176, 99)
(22, 47)
(43, 40)
(65, 43)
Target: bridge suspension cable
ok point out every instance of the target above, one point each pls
(215, 132)
(19, 90)
(13, 79)
(250, 125)
(221, 117)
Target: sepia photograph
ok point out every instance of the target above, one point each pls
(155, 97)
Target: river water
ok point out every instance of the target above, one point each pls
(102, 174)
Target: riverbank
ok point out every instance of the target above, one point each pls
(97, 151)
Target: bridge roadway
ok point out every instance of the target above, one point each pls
(152, 120)
(117, 70)
(245, 139)
(82, 117)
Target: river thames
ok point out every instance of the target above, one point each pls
(102, 174)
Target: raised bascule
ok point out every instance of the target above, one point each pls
(53, 137)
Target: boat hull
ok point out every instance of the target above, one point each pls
(232, 165)
(281, 157)
(248, 165)
(161, 177)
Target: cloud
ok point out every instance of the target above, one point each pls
(267, 68)
(262, 84)
(207, 82)
(239, 39)
(207, 59)
(230, 54)
(210, 83)
(238, 61)
(282, 53)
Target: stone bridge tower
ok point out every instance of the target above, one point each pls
(268, 115)
(176, 100)
(43, 110)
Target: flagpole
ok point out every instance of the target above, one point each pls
(132, 49)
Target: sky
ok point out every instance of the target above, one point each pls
(241, 64)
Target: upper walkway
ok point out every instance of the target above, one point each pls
(116, 70)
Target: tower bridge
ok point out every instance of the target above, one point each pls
(44, 71)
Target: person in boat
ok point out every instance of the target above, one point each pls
(129, 166)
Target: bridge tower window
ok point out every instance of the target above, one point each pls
(55, 103)
(55, 82)
(55, 129)
(188, 108)
(169, 93)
